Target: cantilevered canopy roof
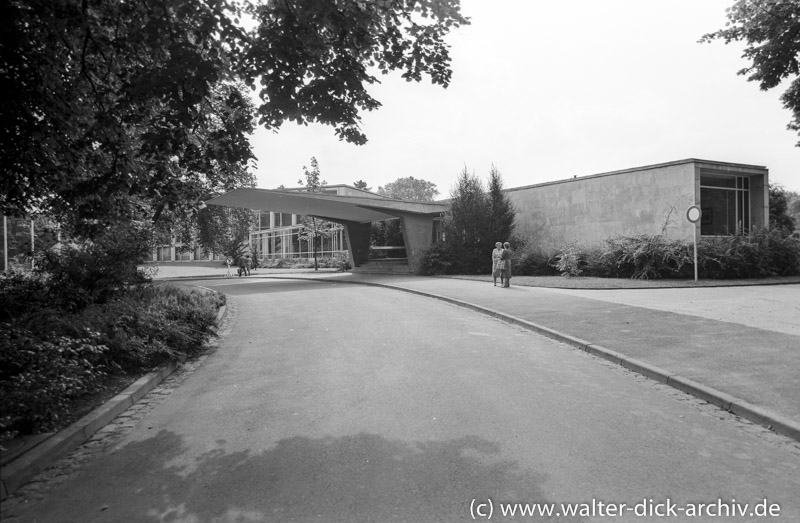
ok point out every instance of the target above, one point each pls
(328, 206)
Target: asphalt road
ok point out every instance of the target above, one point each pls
(348, 403)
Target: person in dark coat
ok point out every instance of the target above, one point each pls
(506, 258)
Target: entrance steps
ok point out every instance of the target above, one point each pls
(383, 266)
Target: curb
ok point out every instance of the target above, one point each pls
(21, 470)
(762, 416)
(29, 464)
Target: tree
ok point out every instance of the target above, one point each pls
(474, 222)
(122, 110)
(389, 232)
(313, 59)
(410, 188)
(501, 211)
(794, 206)
(313, 230)
(220, 230)
(779, 214)
(771, 29)
(361, 184)
(467, 227)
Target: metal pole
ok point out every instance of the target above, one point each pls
(695, 252)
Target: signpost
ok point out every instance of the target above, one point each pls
(693, 214)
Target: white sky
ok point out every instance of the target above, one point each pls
(548, 90)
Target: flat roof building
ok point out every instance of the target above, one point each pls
(653, 199)
(644, 200)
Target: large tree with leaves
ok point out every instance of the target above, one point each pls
(771, 30)
(122, 109)
(119, 109)
(410, 188)
(314, 59)
(389, 232)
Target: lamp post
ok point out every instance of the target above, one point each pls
(693, 214)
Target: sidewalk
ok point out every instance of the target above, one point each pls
(738, 348)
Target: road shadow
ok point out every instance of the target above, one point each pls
(362, 477)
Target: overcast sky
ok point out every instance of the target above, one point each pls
(550, 90)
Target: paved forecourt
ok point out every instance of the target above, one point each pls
(757, 365)
(351, 403)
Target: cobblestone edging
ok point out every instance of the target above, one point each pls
(29, 477)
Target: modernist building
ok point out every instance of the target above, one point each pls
(279, 234)
(353, 211)
(645, 200)
(276, 234)
(652, 199)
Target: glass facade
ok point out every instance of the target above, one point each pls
(725, 202)
(287, 241)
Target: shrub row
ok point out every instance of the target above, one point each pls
(761, 253)
(53, 349)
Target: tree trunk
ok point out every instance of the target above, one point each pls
(316, 265)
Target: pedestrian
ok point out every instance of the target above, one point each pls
(242, 266)
(497, 265)
(248, 263)
(506, 258)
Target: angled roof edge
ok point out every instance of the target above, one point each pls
(330, 206)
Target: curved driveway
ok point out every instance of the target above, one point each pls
(349, 403)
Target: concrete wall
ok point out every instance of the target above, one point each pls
(592, 208)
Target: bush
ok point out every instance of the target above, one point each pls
(762, 253)
(150, 325)
(646, 257)
(569, 260)
(340, 262)
(39, 378)
(535, 262)
(49, 356)
(439, 259)
(92, 271)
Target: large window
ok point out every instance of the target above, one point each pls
(285, 243)
(164, 253)
(725, 201)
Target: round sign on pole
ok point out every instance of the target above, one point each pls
(694, 213)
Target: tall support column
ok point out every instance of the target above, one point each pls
(357, 241)
(418, 236)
